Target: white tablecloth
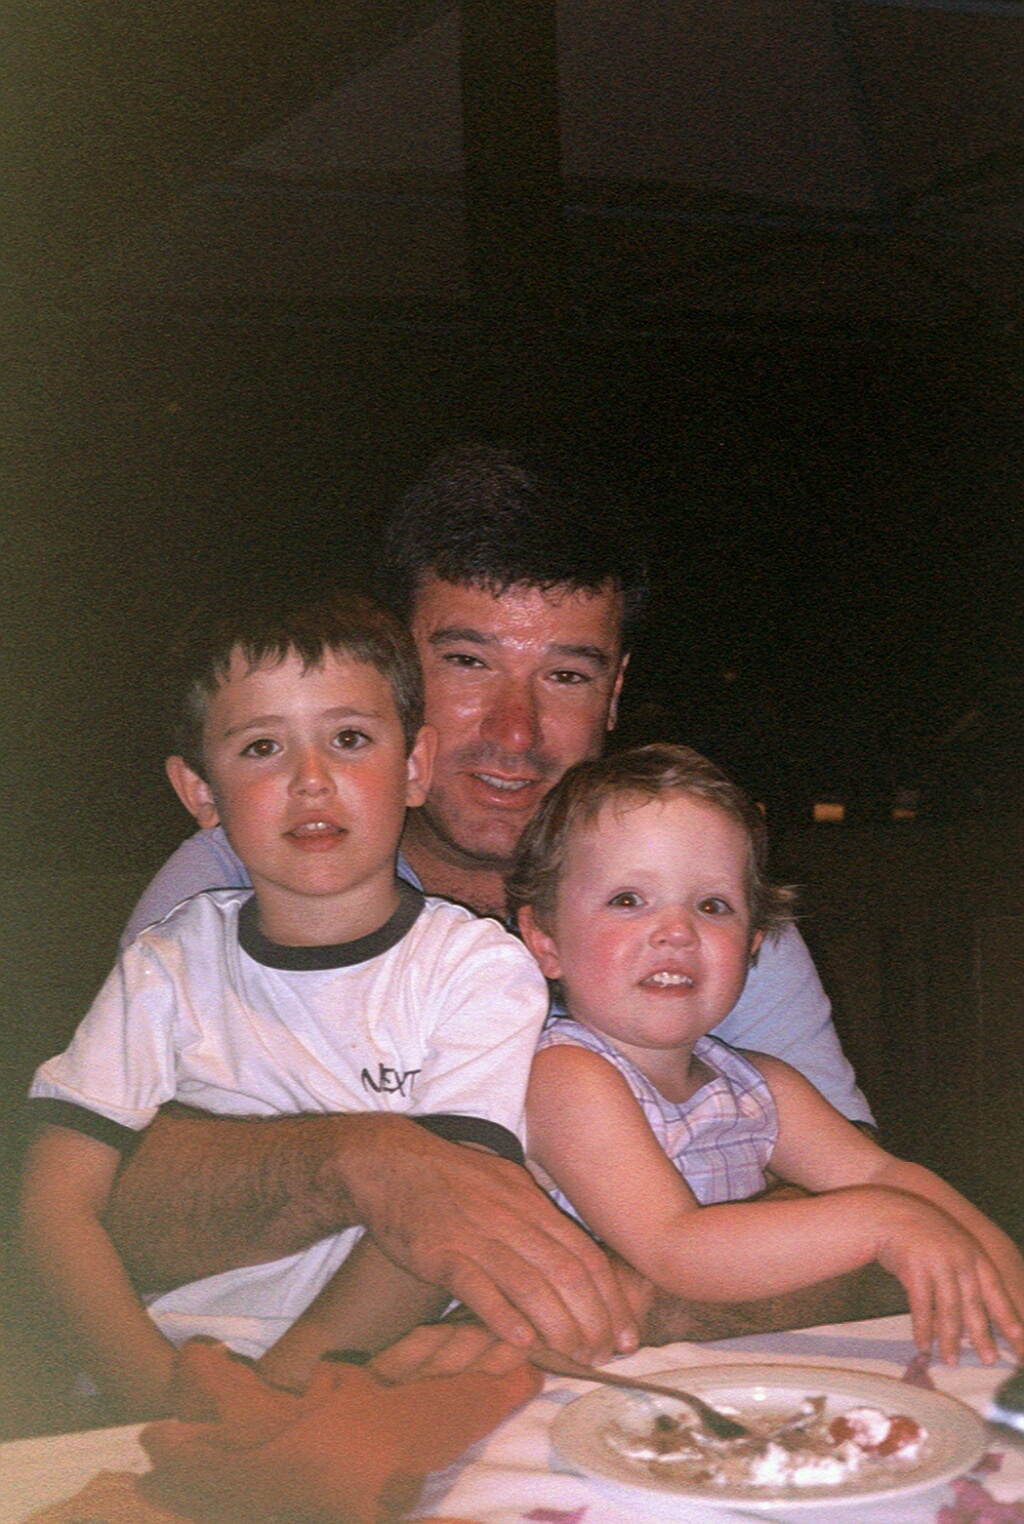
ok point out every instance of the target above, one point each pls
(514, 1477)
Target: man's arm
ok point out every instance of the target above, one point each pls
(251, 1190)
(867, 1293)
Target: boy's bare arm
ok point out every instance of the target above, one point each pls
(368, 1304)
(66, 1183)
(204, 1194)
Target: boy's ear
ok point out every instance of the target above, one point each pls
(540, 943)
(194, 792)
(420, 765)
(755, 944)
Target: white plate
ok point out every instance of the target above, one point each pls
(956, 1435)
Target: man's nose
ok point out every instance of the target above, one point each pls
(512, 719)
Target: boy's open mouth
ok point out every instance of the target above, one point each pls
(313, 830)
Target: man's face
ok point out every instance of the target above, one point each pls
(519, 687)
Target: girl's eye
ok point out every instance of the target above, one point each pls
(263, 747)
(627, 900)
(715, 906)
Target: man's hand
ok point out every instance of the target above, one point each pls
(206, 1194)
(480, 1227)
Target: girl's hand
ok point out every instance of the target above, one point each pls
(952, 1284)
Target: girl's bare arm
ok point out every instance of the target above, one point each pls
(588, 1132)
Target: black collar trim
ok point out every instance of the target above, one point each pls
(335, 954)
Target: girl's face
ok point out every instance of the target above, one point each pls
(651, 933)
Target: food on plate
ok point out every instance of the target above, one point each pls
(805, 1448)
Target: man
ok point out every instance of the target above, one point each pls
(523, 611)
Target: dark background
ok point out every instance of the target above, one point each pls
(790, 342)
(835, 541)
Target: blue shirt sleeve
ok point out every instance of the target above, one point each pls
(784, 1010)
(205, 861)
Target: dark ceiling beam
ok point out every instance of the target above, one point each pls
(514, 197)
(108, 108)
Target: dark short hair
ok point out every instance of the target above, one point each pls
(632, 777)
(493, 518)
(268, 624)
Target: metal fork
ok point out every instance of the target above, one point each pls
(717, 1423)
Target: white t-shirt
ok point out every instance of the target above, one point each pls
(437, 1012)
(783, 1009)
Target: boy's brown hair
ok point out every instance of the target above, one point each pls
(629, 778)
(267, 625)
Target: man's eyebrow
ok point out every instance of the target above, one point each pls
(460, 632)
(452, 634)
(595, 654)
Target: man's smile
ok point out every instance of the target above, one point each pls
(506, 785)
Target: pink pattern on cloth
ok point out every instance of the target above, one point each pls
(974, 1504)
(556, 1515)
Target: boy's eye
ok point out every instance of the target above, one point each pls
(350, 740)
(715, 905)
(567, 678)
(263, 747)
(462, 659)
(628, 899)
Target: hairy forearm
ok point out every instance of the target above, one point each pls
(204, 1194)
(866, 1293)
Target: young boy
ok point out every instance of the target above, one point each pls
(332, 986)
(639, 887)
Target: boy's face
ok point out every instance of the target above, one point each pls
(651, 931)
(307, 773)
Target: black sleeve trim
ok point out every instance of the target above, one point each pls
(448, 1125)
(490, 1135)
(41, 1108)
